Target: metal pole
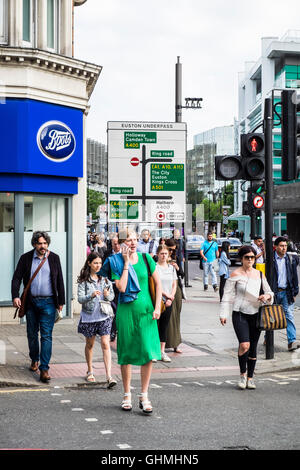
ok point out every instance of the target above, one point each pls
(268, 128)
(178, 91)
(252, 214)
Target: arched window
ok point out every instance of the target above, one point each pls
(3, 22)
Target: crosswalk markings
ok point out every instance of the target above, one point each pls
(65, 401)
(172, 383)
(106, 431)
(124, 446)
(77, 409)
(23, 390)
(91, 420)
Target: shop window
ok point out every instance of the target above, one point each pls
(3, 21)
(7, 216)
(53, 18)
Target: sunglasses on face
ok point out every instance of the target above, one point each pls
(249, 257)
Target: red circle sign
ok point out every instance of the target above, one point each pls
(160, 216)
(134, 161)
(258, 202)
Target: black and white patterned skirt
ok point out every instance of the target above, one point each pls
(101, 328)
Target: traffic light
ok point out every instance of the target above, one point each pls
(246, 208)
(249, 165)
(290, 128)
(228, 167)
(253, 156)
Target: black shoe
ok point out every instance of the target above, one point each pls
(215, 288)
(205, 287)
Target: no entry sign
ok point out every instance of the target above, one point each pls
(258, 202)
(134, 161)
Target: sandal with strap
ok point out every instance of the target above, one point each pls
(90, 377)
(126, 404)
(145, 404)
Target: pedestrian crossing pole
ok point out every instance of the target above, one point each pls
(268, 131)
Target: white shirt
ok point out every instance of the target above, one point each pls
(241, 294)
(257, 250)
(167, 276)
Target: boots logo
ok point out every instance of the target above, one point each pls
(56, 141)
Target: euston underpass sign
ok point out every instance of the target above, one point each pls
(146, 171)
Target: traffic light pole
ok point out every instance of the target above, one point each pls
(268, 131)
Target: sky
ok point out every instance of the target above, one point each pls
(137, 43)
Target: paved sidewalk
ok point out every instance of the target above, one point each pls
(209, 349)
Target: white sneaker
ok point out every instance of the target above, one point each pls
(242, 382)
(165, 357)
(154, 360)
(250, 384)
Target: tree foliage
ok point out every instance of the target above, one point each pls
(94, 200)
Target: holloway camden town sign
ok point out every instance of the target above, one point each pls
(56, 141)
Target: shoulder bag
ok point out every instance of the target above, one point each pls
(270, 317)
(105, 305)
(151, 284)
(20, 311)
(206, 251)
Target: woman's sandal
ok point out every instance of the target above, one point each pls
(126, 404)
(145, 404)
(90, 377)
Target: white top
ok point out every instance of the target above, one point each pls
(167, 276)
(241, 294)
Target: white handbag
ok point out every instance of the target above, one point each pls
(106, 308)
(216, 265)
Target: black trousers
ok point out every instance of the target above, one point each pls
(222, 285)
(163, 324)
(245, 328)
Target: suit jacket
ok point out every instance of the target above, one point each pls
(292, 278)
(23, 271)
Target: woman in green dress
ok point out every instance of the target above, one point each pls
(138, 339)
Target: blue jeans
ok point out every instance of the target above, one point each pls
(281, 298)
(40, 316)
(208, 268)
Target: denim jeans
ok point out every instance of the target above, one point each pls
(281, 298)
(208, 268)
(40, 316)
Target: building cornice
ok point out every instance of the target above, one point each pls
(51, 62)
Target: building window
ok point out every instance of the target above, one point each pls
(3, 21)
(7, 221)
(29, 22)
(53, 16)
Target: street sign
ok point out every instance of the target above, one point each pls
(134, 161)
(146, 165)
(258, 202)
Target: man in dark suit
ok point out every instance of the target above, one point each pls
(46, 294)
(286, 287)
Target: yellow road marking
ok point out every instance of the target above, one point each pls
(26, 390)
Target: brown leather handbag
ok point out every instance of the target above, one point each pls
(20, 311)
(152, 286)
(270, 317)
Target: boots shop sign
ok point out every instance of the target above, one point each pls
(56, 141)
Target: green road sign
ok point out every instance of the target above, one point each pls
(121, 190)
(123, 210)
(162, 153)
(167, 177)
(132, 140)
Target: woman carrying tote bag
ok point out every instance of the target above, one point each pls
(242, 290)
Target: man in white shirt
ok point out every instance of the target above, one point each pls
(259, 248)
(146, 245)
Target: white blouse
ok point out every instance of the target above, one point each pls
(241, 295)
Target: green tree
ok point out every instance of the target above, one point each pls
(94, 200)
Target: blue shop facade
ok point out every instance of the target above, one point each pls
(41, 160)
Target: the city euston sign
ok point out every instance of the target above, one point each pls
(56, 141)
(146, 171)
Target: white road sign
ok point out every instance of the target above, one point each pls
(146, 171)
